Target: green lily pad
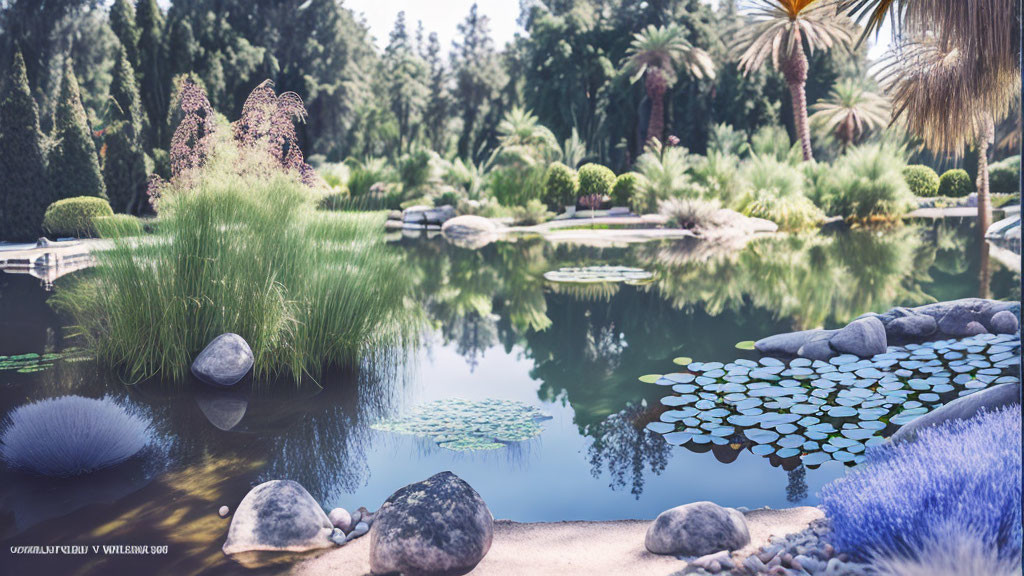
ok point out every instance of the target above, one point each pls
(745, 345)
(465, 425)
(650, 378)
(682, 360)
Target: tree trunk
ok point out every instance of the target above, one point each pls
(656, 88)
(795, 72)
(984, 200)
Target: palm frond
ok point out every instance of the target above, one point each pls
(775, 28)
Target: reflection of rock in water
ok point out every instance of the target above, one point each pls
(796, 490)
(623, 446)
(223, 408)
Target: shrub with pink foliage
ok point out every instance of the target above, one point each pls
(268, 120)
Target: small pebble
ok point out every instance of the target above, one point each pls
(360, 529)
(224, 511)
(338, 537)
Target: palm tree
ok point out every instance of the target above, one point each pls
(850, 111)
(656, 53)
(779, 29)
(954, 74)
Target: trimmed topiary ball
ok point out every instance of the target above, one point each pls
(595, 180)
(922, 180)
(73, 216)
(560, 185)
(955, 183)
(625, 188)
(958, 479)
(71, 435)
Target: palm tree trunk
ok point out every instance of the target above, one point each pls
(656, 88)
(795, 73)
(984, 200)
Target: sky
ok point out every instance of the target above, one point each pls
(441, 16)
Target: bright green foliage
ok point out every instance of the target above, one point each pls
(119, 225)
(596, 180)
(922, 180)
(955, 183)
(74, 216)
(1004, 176)
(717, 176)
(307, 289)
(774, 190)
(124, 171)
(26, 191)
(664, 174)
(690, 213)
(868, 184)
(626, 187)
(362, 176)
(535, 212)
(525, 148)
(74, 167)
(560, 186)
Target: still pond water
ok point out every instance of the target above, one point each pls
(498, 331)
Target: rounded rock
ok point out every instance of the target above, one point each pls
(1004, 322)
(224, 361)
(341, 519)
(697, 529)
(430, 528)
(278, 516)
(224, 511)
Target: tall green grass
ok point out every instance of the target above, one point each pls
(244, 251)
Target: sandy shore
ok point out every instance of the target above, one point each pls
(566, 548)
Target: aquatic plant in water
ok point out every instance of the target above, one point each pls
(465, 425)
(71, 435)
(588, 274)
(957, 483)
(819, 411)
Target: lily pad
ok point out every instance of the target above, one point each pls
(465, 425)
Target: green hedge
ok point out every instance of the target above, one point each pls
(560, 186)
(625, 189)
(74, 216)
(596, 179)
(955, 183)
(923, 181)
(1004, 176)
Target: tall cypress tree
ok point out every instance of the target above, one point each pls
(154, 86)
(124, 171)
(122, 22)
(26, 191)
(74, 166)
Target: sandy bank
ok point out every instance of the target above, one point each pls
(566, 548)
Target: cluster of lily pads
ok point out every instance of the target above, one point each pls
(820, 411)
(32, 362)
(467, 425)
(594, 274)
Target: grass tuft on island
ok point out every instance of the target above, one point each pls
(241, 248)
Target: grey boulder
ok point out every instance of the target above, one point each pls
(1004, 322)
(697, 529)
(912, 327)
(439, 526)
(817, 347)
(278, 516)
(224, 361)
(428, 215)
(864, 337)
(470, 231)
(961, 409)
(787, 344)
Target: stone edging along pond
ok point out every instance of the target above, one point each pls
(872, 333)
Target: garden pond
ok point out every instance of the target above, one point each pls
(538, 381)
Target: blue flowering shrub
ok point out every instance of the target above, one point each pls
(71, 435)
(955, 491)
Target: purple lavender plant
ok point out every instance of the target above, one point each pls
(960, 478)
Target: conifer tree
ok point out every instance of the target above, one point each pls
(122, 22)
(26, 191)
(124, 171)
(74, 167)
(154, 88)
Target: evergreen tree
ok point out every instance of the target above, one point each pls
(74, 167)
(406, 79)
(478, 79)
(122, 22)
(154, 87)
(26, 191)
(438, 100)
(124, 171)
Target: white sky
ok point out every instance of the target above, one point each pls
(441, 16)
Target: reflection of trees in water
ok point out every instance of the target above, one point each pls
(796, 489)
(626, 449)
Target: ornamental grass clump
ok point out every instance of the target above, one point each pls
(956, 480)
(869, 185)
(774, 190)
(241, 248)
(72, 435)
